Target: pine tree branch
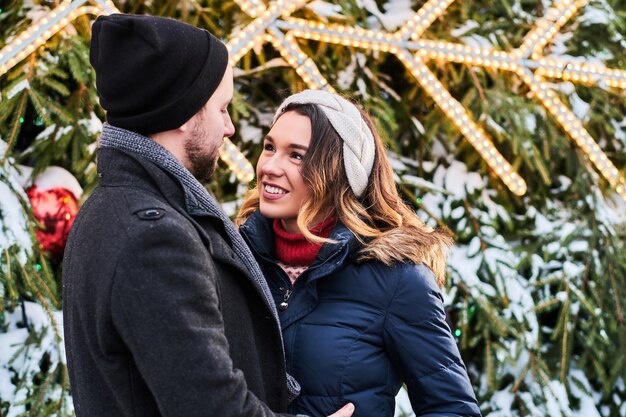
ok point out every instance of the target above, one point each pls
(521, 377)
(15, 128)
(34, 97)
(43, 388)
(475, 224)
(545, 305)
(489, 362)
(564, 355)
(10, 282)
(479, 88)
(50, 294)
(45, 304)
(618, 304)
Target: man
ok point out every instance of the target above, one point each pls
(165, 311)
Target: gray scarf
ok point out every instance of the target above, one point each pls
(198, 200)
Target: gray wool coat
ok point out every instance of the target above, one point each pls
(160, 316)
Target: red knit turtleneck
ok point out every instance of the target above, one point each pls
(294, 249)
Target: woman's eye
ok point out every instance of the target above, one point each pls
(297, 156)
(268, 147)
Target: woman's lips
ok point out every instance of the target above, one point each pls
(273, 192)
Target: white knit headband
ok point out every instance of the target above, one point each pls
(358, 141)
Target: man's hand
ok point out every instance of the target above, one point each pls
(345, 411)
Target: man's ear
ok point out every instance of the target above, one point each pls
(188, 125)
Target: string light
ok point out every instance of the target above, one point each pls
(252, 8)
(305, 67)
(38, 33)
(548, 26)
(254, 33)
(275, 25)
(236, 161)
(580, 72)
(570, 123)
(474, 133)
(425, 16)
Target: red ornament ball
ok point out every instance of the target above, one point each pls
(55, 210)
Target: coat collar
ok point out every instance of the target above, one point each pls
(197, 199)
(117, 167)
(259, 234)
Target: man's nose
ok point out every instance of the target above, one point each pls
(230, 128)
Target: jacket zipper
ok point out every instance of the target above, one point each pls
(289, 288)
(283, 306)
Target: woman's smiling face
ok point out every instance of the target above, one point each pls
(282, 190)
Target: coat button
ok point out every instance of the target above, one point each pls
(151, 214)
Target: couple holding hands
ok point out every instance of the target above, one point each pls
(324, 301)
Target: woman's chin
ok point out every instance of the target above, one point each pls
(267, 212)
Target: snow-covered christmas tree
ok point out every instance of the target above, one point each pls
(506, 123)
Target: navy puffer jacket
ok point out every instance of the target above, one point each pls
(354, 332)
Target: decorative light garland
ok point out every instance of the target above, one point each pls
(547, 27)
(42, 30)
(304, 66)
(236, 161)
(269, 23)
(252, 8)
(457, 114)
(413, 51)
(246, 39)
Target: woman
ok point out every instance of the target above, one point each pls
(355, 274)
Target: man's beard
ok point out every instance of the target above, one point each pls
(202, 160)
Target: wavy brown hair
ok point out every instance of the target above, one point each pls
(389, 229)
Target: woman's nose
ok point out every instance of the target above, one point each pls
(271, 166)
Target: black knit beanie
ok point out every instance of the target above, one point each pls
(154, 73)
